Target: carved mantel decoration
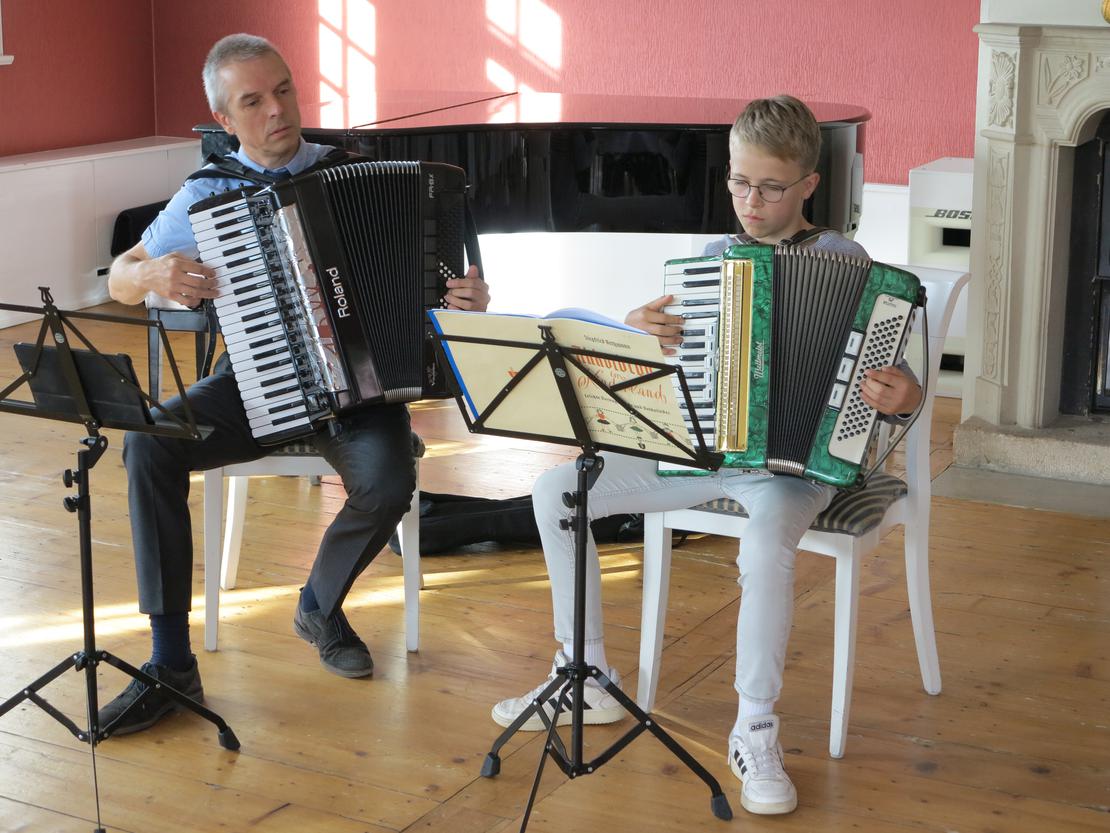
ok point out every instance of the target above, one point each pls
(1002, 86)
(1059, 73)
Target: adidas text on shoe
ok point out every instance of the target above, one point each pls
(341, 651)
(755, 757)
(128, 713)
(598, 706)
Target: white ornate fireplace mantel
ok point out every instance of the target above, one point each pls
(1042, 90)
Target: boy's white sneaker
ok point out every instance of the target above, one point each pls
(599, 706)
(755, 757)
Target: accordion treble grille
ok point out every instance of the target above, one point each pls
(815, 299)
(734, 346)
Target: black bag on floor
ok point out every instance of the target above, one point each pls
(448, 522)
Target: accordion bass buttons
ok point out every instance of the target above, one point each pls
(879, 346)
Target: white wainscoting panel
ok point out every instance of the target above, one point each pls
(57, 210)
(610, 273)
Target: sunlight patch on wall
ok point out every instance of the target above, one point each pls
(541, 32)
(348, 76)
(536, 106)
(532, 25)
(500, 76)
(532, 33)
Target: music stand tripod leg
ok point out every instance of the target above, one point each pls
(718, 801)
(227, 737)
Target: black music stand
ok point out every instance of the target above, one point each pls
(572, 677)
(85, 386)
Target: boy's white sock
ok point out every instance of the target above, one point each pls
(748, 710)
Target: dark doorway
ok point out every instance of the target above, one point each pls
(1085, 380)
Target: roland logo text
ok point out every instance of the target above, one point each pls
(342, 307)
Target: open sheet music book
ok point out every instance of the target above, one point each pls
(535, 407)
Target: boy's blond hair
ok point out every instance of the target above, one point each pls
(781, 126)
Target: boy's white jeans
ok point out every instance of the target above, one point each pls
(780, 509)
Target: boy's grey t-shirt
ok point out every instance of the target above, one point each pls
(830, 241)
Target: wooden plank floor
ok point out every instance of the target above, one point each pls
(1019, 740)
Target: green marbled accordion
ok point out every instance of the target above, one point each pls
(775, 345)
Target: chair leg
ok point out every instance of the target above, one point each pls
(154, 363)
(920, 597)
(653, 615)
(200, 343)
(233, 531)
(844, 646)
(213, 517)
(408, 531)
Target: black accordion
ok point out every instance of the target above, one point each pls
(325, 279)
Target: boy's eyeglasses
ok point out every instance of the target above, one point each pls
(768, 193)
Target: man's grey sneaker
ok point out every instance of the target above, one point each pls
(116, 719)
(599, 706)
(341, 651)
(755, 757)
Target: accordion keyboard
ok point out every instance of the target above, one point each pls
(696, 291)
(266, 360)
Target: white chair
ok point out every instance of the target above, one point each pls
(852, 525)
(292, 459)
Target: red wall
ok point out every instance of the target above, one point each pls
(911, 62)
(83, 73)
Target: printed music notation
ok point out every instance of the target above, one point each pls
(535, 406)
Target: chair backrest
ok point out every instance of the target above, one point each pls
(942, 289)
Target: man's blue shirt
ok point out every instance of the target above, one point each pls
(171, 232)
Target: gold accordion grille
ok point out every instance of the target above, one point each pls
(734, 355)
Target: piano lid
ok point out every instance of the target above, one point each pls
(588, 162)
(410, 111)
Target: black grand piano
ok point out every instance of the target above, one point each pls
(592, 163)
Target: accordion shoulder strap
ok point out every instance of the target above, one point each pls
(804, 236)
(800, 238)
(228, 167)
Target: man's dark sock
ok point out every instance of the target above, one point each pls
(308, 599)
(170, 632)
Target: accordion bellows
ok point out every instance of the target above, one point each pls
(775, 347)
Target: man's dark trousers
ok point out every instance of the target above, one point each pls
(371, 451)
